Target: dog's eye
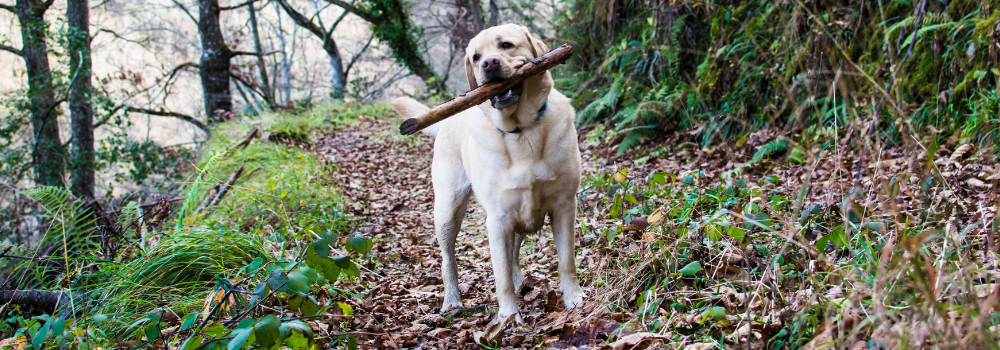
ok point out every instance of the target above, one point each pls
(475, 58)
(506, 45)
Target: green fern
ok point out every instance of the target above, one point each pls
(768, 149)
(70, 223)
(930, 20)
(600, 105)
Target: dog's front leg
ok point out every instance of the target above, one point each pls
(563, 226)
(502, 238)
(450, 202)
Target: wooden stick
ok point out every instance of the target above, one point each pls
(487, 91)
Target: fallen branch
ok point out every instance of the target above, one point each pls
(489, 90)
(246, 141)
(215, 198)
(47, 300)
(180, 116)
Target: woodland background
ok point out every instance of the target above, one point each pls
(758, 174)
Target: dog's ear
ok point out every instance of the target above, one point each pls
(470, 73)
(538, 48)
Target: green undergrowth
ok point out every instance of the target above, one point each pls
(722, 69)
(705, 261)
(277, 238)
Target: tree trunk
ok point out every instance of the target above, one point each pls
(46, 151)
(81, 113)
(494, 14)
(338, 79)
(214, 66)
(476, 10)
(261, 65)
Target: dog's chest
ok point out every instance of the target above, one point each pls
(526, 192)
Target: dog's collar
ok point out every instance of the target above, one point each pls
(518, 129)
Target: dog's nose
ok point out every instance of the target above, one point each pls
(491, 64)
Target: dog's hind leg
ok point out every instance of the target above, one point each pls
(516, 275)
(563, 226)
(451, 199)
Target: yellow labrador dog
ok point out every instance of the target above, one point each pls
(518, 153)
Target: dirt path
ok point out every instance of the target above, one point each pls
(386, 182)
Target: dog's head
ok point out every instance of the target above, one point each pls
(495, 54)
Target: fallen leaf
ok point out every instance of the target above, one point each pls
(637, 341)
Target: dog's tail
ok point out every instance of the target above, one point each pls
(410, 108)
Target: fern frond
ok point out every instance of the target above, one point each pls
(768, 149)
(70, 222)
(931, 20)
(600, 105)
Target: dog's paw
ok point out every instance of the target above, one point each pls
(451, 305)
(507, 319)
(573, 296)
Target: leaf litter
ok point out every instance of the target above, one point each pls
(728, 293)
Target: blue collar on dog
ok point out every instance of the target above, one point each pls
(541, 111)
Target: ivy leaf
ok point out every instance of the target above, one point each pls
(324, 265)
(343, 262)
(189, 321)
(266, 331)
(717, 313)
(278, 281)
(691, 269)
(659, 178)
(309, 273)
(297, 335)
(58, 326)
(735, 232)
(304, 304)
(240, 337)
(39, 340)
(191, 343)
(322, 247)
(298, 282)
(359, 243)
(352, 343)
(152, 331)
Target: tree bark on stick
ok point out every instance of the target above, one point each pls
(81, 112)
(481, 94)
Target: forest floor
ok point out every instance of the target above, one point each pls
(385, 180)
(708, 277)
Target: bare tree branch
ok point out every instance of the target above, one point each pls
(12, 50)
(302, 21)
(354, 59)
(227, 8)
(8, 8)
(356, 11)
(180, 116)
(116, 35)
(252, 53)
(179, 4)
(341, 18)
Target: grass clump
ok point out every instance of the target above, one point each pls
(245, 243)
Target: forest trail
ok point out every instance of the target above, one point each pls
(385, 182)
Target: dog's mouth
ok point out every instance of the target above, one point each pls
(508, 98)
